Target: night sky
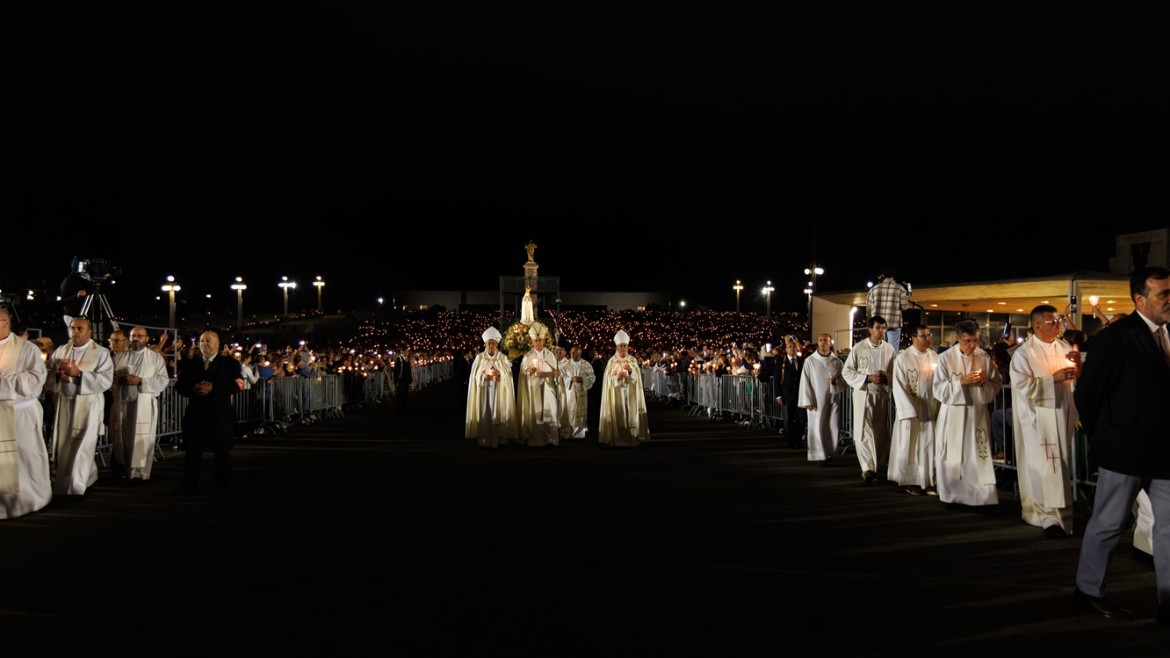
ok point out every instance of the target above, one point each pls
(643, 146)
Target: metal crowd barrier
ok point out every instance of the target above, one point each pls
(752, 402)
(272, 405)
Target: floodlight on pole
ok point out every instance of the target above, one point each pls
(239, 286)
(170, 287)
(738, 288)
(811, 272)
(285, 284)
(320, 283)
(768, 294)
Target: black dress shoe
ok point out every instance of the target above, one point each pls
(1105, 607)
(1054, 532)
(869, 477)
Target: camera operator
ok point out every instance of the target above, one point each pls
(75, 288)
(888, 299)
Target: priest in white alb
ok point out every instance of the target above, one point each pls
(1044, 370)
(821, 386)
(79, 373)
(869, 371)
(912, 441)
(965, 383)
(578, 377)
(140, 376)
(25, 484)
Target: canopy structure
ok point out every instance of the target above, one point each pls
(989, 302)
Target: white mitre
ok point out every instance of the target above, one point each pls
(492, 334)
(621, 338)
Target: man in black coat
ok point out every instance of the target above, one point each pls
(1121, 397)
(403, 378)
(208, 383)
(789, 366)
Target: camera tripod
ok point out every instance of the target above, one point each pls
(100, 306)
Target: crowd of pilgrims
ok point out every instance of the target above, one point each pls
(726, 342)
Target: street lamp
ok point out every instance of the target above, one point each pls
(285, 284)
(170, 287)
(320, 284)
(811, 272)
(738, 287)
(768, 293)
(239, 287)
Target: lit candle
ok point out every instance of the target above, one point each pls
(1093, 299)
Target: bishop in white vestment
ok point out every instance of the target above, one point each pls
(491, 396)
(624, 422)
(543, 420)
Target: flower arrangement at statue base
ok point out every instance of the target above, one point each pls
(518, 338)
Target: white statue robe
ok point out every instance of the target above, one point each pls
(624, 422)
(577, 394)
(821, 386)
(134, 410)
(491, 402)
(543, 419)
(912, 441)
(964, 468)
(79, 410)
(871, 402)
(25, 483)
(1044, 424)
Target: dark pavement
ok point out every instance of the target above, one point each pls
(388, 534)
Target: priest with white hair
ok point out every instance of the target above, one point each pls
(491, 396)
(624, 421)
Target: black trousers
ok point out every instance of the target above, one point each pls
(400, 397)
(193, 464)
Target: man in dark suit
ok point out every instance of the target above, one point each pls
(1121, 399)
(789, 367)
(402, 379)
(208, 383)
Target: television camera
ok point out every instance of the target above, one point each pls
(97, 269)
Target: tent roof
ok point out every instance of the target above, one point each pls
(1012, 296)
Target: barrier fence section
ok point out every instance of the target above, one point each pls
(273, 404)
(752, 402)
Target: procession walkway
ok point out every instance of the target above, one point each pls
(390, 534)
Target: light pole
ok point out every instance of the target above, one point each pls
(738, 287)
(170, 287)
(811, 272)
(768, 293)
(239, 287)
(285, 284)
(320, 284)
